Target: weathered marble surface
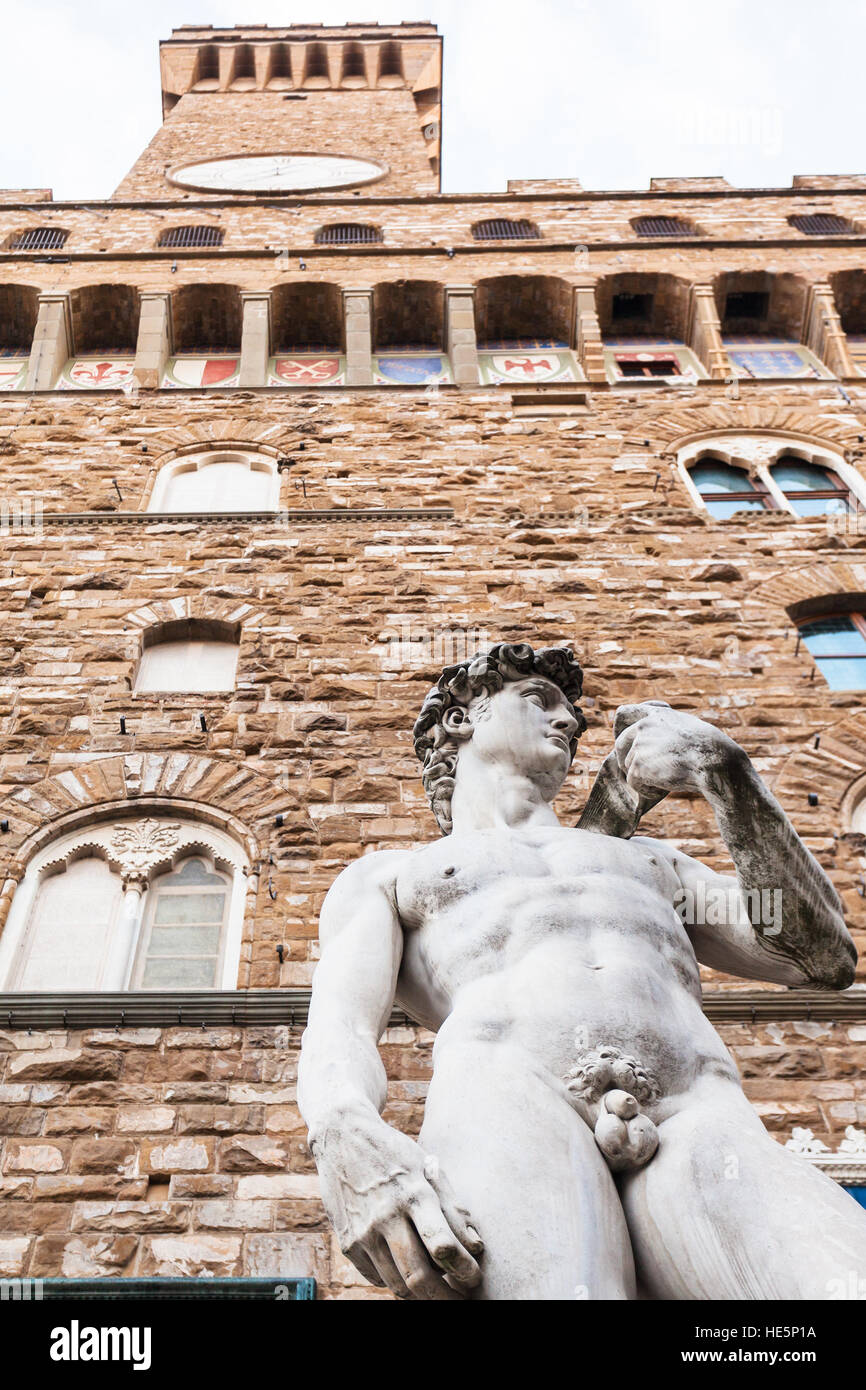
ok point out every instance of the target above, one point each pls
(560, 968)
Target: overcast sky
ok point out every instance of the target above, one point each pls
(610, 93)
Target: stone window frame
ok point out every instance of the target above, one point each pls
(157, 837)
(198, 457)
(191, 629)
(755, 453)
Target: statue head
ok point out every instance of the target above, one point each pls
(515, 705)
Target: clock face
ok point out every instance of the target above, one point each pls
(277, 173)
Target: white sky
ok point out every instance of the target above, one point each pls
(611, 93)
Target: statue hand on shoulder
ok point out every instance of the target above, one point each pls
(661, 749)
(394, 1213)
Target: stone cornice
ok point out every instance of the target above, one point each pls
(256, 1007)
(277, 518)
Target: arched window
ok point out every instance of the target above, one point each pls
(347, 234)
(191, 236)
(38, 239)
(504, 229)
(663, 226)
(214, 483)
(725, 490)
(837, 641)
(183, 930)
(821, 224)
(189, 656)
(150, 902)
(810, 489)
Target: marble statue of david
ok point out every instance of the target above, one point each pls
(585, 1131)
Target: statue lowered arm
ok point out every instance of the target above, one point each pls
(391, 1207)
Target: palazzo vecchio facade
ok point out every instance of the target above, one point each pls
(284, 430)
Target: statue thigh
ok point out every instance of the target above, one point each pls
(722, 1211)
(527, 1168)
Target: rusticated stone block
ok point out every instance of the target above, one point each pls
(191, 1256)
(118, 1156)
(82, 1256)
(292, 1256)
(182, 1155)
(65, 1064)
(252, 1155)
(131, 1217)
(34, 1157)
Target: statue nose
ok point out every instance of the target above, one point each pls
(565, 725)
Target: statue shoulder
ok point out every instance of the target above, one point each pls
(375, 871)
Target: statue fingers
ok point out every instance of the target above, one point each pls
(364, 1265)
(627, 715)
(389, 1275)
(421, 1278)
(457, 1216)
(442, 1243)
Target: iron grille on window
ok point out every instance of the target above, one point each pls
(39, 239)
(820, 224)
(191, 236)
(662, 226)
(503, 229)
(347, 234)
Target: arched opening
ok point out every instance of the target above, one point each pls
(524, 329)
(207, 69)
(37, 239)
(348, 234)
(188, 656)
(153, 900)
(316, 73)
(663, 227)
(207, 323)
(409, 332)
(105, 319)
(279, 67)
(761, 315)
(644, 322)
(505, 229)
(832, 629)
(19, 306)
(216, 482)
(849, 293)
(354, 73)
(725, 490)
(104, 333)
(390, 65)
(307, 331)
(243, 69)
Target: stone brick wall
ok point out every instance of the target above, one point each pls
(180, 1152)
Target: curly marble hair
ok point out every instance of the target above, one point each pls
(437, 747)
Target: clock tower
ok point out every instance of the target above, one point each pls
(300, 110)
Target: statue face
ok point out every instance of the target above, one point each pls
(527, 726)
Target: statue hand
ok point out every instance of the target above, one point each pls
(660, 749)
(394, 1213)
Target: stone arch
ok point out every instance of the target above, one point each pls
(222, 435)
(222, 791)
(679, 427)
(105, 318)
(408, 313)
(524, 306)
(657, 305)
(792, 590)
(761, 301)
(837, 766)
